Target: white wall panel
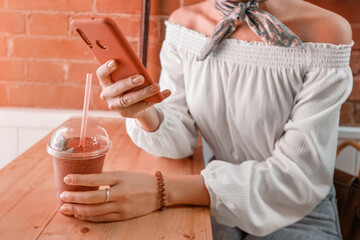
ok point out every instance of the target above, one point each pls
(8, 145)
(29, 136)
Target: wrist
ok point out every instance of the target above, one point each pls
(188, 190)
(150, 120)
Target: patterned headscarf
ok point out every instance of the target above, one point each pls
(266, 26)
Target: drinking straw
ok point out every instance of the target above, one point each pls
(85, 109)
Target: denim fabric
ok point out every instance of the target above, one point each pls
(322, 223)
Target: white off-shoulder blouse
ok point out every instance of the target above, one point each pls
(270, 115)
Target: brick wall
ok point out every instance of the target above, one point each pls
(43, 63)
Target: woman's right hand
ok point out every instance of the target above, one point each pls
(131, 104)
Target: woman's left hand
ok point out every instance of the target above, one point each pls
(131, 194)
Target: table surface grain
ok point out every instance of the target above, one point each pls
(28, 202)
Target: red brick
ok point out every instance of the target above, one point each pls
(12, 70)
(77, 73)
(2, 3)
(159, 7)
(121, 6)
(162, 28)
(48, 24)
(153, 54)
(3, 46)
(45, 71)
(349, 9)
(355, 94)
(58, 5)
(80, 6)
(163, 7)
(3, 95)
(356, 36)
(12, 22)
(95, 102)
(130, 26)
(153, 60)
(357, 113)
(156, 28)
(46, 96)
(347, 113)
(355, 62)
(191, 2)
(51, 48)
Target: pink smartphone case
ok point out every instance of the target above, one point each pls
(107, 42)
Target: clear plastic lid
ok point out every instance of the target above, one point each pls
(65, 141)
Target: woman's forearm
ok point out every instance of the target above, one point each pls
(150, 120)
(186, 190)
(179, 189)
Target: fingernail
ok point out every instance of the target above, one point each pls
(154, 88)
(63, 196)
(138, 80)
(111, 64)
(68, 179)
(64, 209)
(166, 92)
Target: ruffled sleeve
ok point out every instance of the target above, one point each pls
(177, 135)
(262, 197)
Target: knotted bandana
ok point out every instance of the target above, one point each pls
(266, 26)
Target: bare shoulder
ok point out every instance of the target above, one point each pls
(183, 15)
(190, 16)
(178, 16)
(323, 26)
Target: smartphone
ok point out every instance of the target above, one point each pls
(107, 42)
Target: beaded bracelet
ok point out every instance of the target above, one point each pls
(161, 187)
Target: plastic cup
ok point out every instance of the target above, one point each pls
(71, 158)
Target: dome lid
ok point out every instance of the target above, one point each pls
(65, 141)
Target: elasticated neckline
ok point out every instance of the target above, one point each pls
(259, 53)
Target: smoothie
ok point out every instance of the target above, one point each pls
(71, 158)
(79, 165)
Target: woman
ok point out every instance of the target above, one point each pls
(269, 113)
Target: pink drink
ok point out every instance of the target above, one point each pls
(71, 158)
(78, 165)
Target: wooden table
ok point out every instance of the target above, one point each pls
(28, 201)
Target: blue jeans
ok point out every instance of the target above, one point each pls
(322, 223)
